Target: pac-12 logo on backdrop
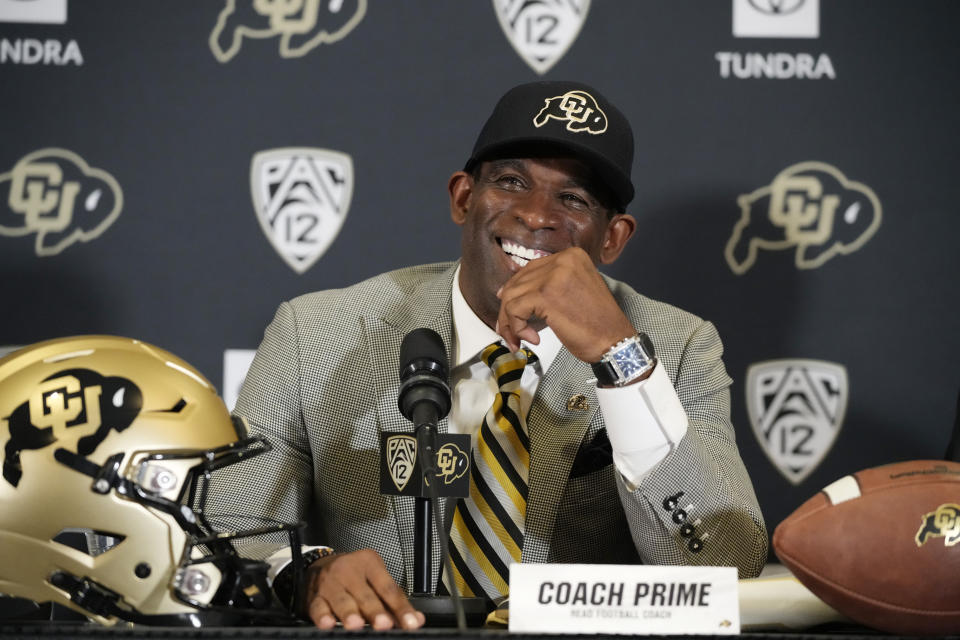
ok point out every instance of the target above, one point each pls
(810, 208)
(56, 195)
(541, 31)
(301, 25)
(301, 197)
(796, 409)
(776, 18)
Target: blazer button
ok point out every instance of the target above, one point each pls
(670, 503)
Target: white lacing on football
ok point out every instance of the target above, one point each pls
(846, 488)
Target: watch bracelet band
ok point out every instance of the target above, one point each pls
(283, 584)
(606, 373)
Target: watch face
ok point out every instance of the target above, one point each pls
(629, 361)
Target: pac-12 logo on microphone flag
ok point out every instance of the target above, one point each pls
(301, 197)
(401, 459)
(796, 409)
(541, 31)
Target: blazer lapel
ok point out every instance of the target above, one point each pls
(428, 305)
(556, 433)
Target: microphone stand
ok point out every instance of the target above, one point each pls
(424, 398)
(438, 610)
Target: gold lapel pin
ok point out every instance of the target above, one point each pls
(578, 402)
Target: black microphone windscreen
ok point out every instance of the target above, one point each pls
(422, 344)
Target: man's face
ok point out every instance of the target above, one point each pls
(523, 209)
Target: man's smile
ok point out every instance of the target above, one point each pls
(519, 253)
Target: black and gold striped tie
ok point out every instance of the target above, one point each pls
(487, 528)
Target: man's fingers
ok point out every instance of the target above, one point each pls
(320, 614)
(356, 588)
(371, 607)
(344, 607)
(396, 601)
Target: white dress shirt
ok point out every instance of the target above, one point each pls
(644, 420)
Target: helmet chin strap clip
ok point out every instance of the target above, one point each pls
(105, 478)
(87, 595)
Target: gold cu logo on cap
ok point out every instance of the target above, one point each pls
(577, 108)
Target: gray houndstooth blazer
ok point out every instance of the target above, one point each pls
(324, 385)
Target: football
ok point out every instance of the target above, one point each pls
(882, 546)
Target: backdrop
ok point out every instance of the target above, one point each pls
(172, 171)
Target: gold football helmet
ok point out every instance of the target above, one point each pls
(116, 439)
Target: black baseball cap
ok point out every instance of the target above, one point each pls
(567, 116)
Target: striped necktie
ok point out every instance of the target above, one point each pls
(487, 529)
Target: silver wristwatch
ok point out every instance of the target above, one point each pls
(624, 362)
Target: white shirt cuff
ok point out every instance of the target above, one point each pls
(644, 421)
(280, 559)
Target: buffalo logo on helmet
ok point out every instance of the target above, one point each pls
(810, 208)
(796, 408)
(74, 403)
(944, 523)
(578, 109)
(56, 195)
(302, 25)
(541, 31)
(452, 463)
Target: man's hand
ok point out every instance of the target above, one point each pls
(566, 292)
(356, 588)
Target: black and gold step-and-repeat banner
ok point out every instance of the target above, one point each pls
(172, 171)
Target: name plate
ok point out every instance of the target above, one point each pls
(629, 599)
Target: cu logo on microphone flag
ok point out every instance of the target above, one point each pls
(401, 473)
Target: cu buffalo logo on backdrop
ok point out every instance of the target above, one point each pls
(578, 109)
(56, 195)
(301, 197)
(541, 31)
(76, 406)
(796, 409)
(810, 208)
(301, 25)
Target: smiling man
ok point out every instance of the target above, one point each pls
(609, 437)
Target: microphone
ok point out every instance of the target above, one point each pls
(424, 399)
(424, 396)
